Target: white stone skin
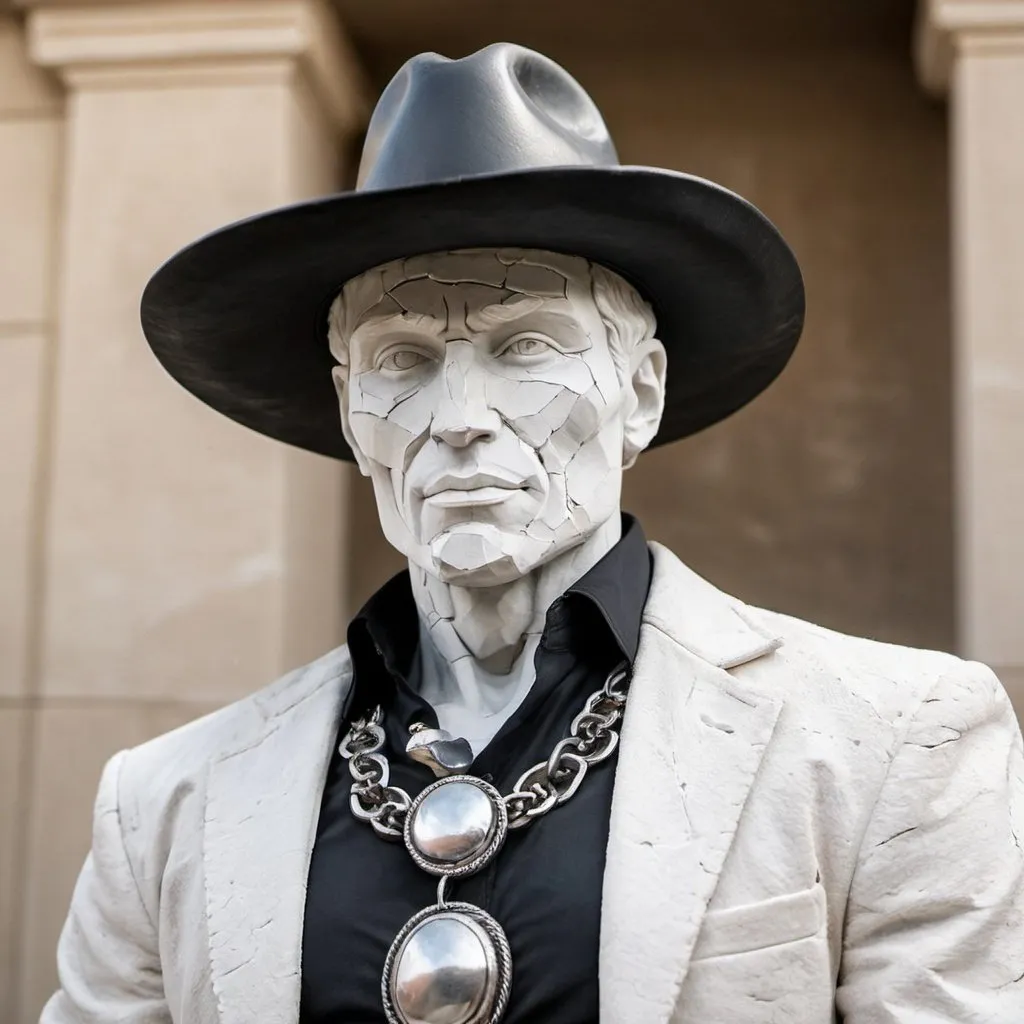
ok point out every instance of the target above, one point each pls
(803, 823)
(494, 398)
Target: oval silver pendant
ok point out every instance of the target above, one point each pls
(455, 826)
(450, 964)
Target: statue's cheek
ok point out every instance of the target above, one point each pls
(537, 409)
(413, 409)
(577, 424)
(593, 477)
(380, 439)
(385, 422)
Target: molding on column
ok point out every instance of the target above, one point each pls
(25, 90)
(946, 28)
(203, 41)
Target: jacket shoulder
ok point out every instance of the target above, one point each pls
(890, 679)
(823, 670)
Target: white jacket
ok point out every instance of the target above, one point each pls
(803, 823)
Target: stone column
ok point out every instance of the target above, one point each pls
(188, 561)
(31, 122)
(974, 50)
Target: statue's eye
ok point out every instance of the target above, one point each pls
(401, 359)
(527, 345)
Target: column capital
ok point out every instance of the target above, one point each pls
(115, 45)
(946, 28)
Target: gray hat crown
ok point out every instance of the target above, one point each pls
(501, 109)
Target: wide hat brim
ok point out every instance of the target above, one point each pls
(240, 317)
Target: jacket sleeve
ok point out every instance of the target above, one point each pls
(108, 959)
(935, 919)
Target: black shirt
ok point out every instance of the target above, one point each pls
(544, 888)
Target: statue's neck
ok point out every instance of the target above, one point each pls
(479, 662)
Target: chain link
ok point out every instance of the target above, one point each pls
(372, 799)
(592, 738)
(548, 784)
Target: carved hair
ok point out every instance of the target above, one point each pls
(627, 317)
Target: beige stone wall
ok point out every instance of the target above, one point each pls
(829, 497)
(31, 152)
(157, 560)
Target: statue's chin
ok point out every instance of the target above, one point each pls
(479, 555)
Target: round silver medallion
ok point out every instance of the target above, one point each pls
(450, 964)
(455, 826)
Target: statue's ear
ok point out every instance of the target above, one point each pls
(340, 376)
(645, 401)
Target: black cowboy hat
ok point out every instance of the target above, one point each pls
(499, 149)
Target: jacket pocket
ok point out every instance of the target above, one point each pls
(753, 926)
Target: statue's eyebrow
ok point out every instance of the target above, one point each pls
(496, 313)
(500, 313)
(399, 321)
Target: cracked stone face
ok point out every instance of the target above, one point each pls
(488, 396)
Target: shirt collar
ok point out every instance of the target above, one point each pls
(617, 587)
(383, 636)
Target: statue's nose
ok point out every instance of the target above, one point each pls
(463, 414)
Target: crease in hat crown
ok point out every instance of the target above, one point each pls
(501, 109)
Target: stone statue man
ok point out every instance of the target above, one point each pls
(553, 775)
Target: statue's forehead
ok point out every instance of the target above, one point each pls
(484, 276)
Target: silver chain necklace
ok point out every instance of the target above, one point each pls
(451, 962)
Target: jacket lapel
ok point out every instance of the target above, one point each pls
(692, 742)
(263, 802)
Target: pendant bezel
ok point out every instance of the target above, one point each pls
(498, 955)
(476, 861)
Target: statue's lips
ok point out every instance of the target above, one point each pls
(452, 491)
(477, 496)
